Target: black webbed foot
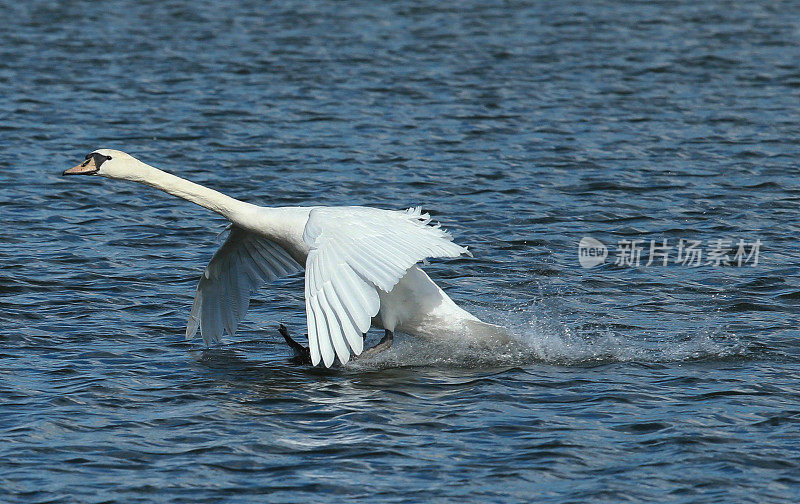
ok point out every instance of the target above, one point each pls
(301, 353)
(384, 344)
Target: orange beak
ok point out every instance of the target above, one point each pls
(88, 167)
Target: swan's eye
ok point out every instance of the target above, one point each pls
(97, 158)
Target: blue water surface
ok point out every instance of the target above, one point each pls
(522, 127)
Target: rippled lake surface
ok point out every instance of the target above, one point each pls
(522, 127)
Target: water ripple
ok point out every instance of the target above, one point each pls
(522, 127)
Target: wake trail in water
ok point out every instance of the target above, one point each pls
(541, 338)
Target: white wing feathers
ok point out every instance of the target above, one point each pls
(244, 263)
(353, 251)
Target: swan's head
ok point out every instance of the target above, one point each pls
(109, 163)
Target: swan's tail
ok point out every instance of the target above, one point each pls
(484, 334)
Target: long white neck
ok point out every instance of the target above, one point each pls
(234, 210)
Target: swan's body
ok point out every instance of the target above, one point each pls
(361, 266)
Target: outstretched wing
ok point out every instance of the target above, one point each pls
(355, 250)
(244, 263)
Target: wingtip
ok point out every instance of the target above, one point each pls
(191, 328)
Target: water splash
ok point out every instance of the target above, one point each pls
(542, 338)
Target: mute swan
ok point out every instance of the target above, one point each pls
(360, 267)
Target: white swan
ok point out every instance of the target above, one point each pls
(361, 266)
